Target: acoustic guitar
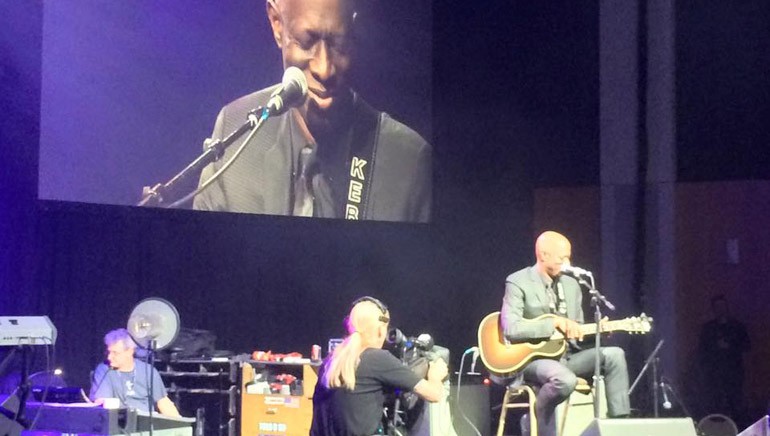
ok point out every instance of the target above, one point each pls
(502, 357)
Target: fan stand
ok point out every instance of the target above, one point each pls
(153, 324)
(151, 348)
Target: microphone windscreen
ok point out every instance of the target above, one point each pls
(293, 78)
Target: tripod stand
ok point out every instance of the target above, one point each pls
(660, 387)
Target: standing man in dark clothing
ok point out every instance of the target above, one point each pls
(334, 156)
(349, 396)
(723, 341)
(542, 289)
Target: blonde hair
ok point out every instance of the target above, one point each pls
(363, 325)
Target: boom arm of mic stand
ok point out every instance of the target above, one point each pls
(646, 365)
(157, 195)
(596, 296)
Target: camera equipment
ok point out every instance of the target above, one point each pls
(402, 409)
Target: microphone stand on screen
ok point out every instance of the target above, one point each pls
(161, 195)
(291, 92)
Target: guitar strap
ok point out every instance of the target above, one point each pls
(557, 302)
(363, 151)
(560, 308)
(561, 302)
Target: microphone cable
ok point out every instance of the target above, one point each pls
(294, 76)
(257, 123)
(459, 384)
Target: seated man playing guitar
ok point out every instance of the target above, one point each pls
(540, 290)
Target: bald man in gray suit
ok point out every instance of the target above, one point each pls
(541, 289)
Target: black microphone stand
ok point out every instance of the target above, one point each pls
(160, 194)
(652, 361)
(151, 346)
(24, 386)
(597, 299)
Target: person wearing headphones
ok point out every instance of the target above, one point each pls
(350, 393)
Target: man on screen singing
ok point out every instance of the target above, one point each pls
(334, 155)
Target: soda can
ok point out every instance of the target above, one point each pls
(315, 352)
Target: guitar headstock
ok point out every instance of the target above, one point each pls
(638, 324)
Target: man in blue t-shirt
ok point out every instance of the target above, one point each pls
(122, 376)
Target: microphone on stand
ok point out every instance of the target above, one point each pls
(291, 93)
(575, 271)
(666, 402)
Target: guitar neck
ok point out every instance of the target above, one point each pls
(607, 326)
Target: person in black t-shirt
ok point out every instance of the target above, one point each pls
(349, 396)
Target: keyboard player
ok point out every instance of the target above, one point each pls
(128, 379)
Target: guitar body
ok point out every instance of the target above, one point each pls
(501, 358)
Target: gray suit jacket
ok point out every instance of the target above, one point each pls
(526, 298)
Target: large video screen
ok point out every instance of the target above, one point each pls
(134, 92)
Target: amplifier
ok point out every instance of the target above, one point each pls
(435, 418)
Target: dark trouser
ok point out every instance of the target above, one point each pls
(557, 380)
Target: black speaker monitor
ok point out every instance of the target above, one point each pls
(759, 428)
(641, 427)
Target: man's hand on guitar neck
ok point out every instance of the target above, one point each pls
(570, 328)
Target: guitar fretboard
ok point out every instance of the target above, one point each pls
(592, 329)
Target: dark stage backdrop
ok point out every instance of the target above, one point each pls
(515, 105)
(722, 91)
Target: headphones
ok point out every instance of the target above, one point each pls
(380, 305)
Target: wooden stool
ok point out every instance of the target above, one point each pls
(579, 407)
(518, 397)
(523, 396)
